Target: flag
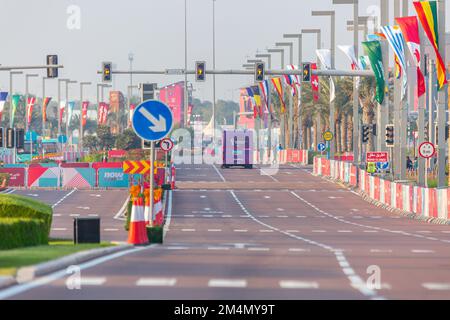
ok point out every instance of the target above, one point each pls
(257, 97)
(189, 113)
(395, 39)
(279, 89)
(264, 89)
(349, 51)
(103, 109)
(410, 30)
(45, 104)
(324, 56)
(427, 13)
(62, 106)
(15, 103)
(3, 97)
(70, 107)
(132, 107)
(84, 110)
(252, 101)
(30, 104)
(315, 83)
(373, 50)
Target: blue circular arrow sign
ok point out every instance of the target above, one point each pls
(321, 147)
(152, 120)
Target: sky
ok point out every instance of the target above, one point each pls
(84, 33)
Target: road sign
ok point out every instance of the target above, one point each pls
(136, 167)
(152, 120)
(427, 150)
(377, 157)
(371, 168)
(31, 136)
(62, 138)
(328, 136)
(166, 144)
(321, 147)
(383, 165)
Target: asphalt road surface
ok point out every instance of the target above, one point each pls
(244, 234)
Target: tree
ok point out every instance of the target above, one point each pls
(91, 142)
(106, 139)
(128, 140)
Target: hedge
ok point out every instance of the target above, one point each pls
(22, 232)
(14, 206)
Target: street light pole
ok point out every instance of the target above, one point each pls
(282, 116)
(185, 102)
(214, 76)
(268, 56)
(67, 106)
(80, 142)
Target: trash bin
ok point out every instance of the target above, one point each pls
(86, 230)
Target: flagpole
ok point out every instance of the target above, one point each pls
(405, 106)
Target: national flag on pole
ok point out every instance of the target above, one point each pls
(45, 104)
(410, 30)
(70, 107)
(427, 13)
(324, 56)
(132, 107)
(349, 51)
(279, 89)
(84, 110)
(264, 89)
(373, 50)
(253, 102)
(62, 107)
(315, 83)
(257, 97)
(3, 97)
(15, 104)
(30, 104)
(395, 39)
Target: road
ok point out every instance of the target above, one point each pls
(242, 234)
(70, 204)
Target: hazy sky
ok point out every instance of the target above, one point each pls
(154, 31)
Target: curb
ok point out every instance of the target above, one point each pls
(27, 274)
(393, 210)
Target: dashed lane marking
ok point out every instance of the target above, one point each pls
(188, 230)
(345, 231)
(318, 231)
(156, 282)
(92, 281)
(218, 172)
(111, 230)
(59, 229)
(227, 283)
(214, 230)
(436, 286)
(298, 250)
(63, 198)
(422, 251)
(380, 251)
(292, 284)
(240, 230)
(267, 231)
(218, 248)
(258, 249)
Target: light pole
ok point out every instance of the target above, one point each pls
(299, 37)
(214, 76)
(100, 91)
(332, 15)
(44, 79)
(59, 104)
(80, 142)
(11, 75)
(185, 100)
(282, 125)
(27, 80)
(355, 4)
(318, 34)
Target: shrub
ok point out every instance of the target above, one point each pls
(22, 232)
(155, 234)
(14, 206)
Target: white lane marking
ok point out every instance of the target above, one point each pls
(34, 195)
(292, 231)
(207, 209)
(18, 289)
(298, 250)
(189, 216)
(188, 230)
(57, 215)
(156, 282)
(84, 208)
(282, 217)
(202, 197)
(111, 230)
(218, 248)
(227, 283)
(355, 280)
(280, 209)
(240, 230)
(447, 231)
(318, 231)
(258, 249)
(370, 231)
(59, 229)
(92, 281)
(63, 198)
(263, 216)
(424, 231)
(177, 248)
(422, 251)
(345, 231)
(436, 286)
(292, 284)
(263, 173)
(243, 216)
(226, 216)
(96, 195)
(214, 230)
(92, 215)
(267, 231)
(207, 216)
(301, 217)
(380, 251)
(267, 197)
(74, 215)
(218, 172)
(120, 215)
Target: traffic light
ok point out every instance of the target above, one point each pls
(365, 132)
(306, 72)
(107, 69)
(390, 135)
(10, 138)
(52, 59)
(260, 71)
(1, 138)
(20, 138)
(200, 68)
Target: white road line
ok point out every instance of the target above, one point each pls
(282, 217)
(267, 197)
(422, 251)
(240, 230)
(111, 230)
(214, 230)
(189, 216)
(424, 231)
(156, 282)
(345, 231)
(380, 251)
(177, 248)
(218, 172)
(57, 215)
(120, 215)
(292, 284)
(226, 216)
(267, 231)
(280, 209)
(63, 198)
(436, 286)
(218, 248)
(74, 215)
(59, 229)
(227, 283)
(301, 217)
(298, 250)
(188, 230)
(292, 231)
(92, 281)
(370, 231)
(318, 231)
(258, 249)
(447, 231)
(263, 216)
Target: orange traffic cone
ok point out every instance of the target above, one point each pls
(158, 213)
(137, 234)
(148, 216)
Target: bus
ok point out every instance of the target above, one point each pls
(46, 148)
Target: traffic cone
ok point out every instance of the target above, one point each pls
(147, 215)
(158, 213)
(172, 182)
(137, 234)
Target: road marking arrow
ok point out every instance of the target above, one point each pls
(159, 125)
